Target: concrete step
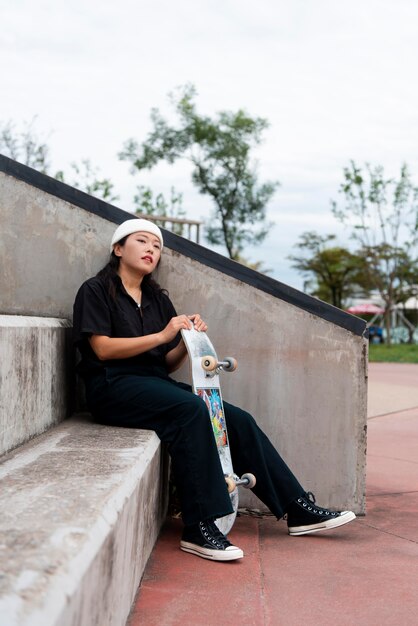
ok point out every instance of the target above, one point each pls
(35, 371)
(81, 507)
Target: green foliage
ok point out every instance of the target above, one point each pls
(382, 214)
(219, 151)
(258, 266)
(24, 146)
(87, 178)
(334, 274)
(146, 204)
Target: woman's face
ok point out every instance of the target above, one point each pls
(140, 252)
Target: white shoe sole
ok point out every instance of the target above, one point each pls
(344, 518)
(230, 554)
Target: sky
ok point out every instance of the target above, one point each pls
(336, 81)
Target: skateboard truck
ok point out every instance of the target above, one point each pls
(247, 480)
(212, 366)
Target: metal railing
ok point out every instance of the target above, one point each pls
(165, 221)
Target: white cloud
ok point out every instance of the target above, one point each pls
(335, 79)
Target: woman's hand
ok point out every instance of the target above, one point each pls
(175, 357)
(198, 323)
(182, 321)
(174, 326)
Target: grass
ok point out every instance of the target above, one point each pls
(396, 353)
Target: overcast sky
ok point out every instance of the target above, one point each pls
(336, 80)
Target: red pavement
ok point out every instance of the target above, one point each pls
(365, 573)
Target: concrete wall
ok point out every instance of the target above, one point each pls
(47, 248)
(34, 377)
(303, 377)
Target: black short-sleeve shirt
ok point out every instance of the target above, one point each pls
(99, 312)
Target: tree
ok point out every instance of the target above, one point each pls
(88, 179)
(25, 145)
(382, 214)
(219, 151)
(334, 273)
(258, 266)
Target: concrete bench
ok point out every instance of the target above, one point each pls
(80, 510)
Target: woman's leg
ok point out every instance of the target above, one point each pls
(180, 419)
(276, 485)
(253, 452)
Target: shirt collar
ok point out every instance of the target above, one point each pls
(146, 292)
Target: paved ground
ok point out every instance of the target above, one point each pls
(365, 573)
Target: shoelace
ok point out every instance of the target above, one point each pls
(217, 534)
(208, 535)
(310, 497)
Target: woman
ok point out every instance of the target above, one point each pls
(128, 334)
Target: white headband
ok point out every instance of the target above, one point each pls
(134, 226)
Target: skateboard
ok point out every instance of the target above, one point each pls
(205, 368)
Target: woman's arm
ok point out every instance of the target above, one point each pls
(107, 348)
(175, 357)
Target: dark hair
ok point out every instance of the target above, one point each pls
(109, 275)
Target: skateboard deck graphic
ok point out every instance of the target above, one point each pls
(205, 367)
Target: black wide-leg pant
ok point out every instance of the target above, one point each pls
(180, 419)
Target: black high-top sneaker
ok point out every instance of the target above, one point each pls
(206, 540)
(305, 517)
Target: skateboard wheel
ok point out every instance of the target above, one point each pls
(230, 364)
(230, 483)
(250, 480)
(209, 363)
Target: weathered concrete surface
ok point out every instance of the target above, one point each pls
(302, 377)
(80, 510)
(47, 248)
(34, 376)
